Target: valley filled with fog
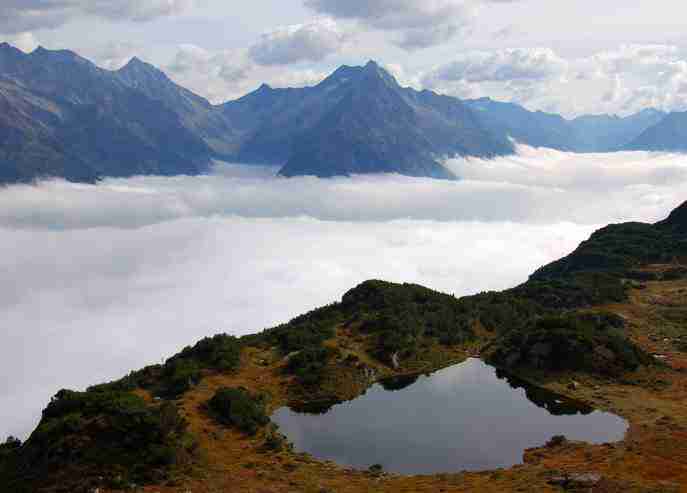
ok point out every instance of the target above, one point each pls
(102, 279)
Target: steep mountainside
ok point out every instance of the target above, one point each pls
(63, 116)
(670, 134)
(274, 118)
(585, 326)
(377, 126)
(196, 113)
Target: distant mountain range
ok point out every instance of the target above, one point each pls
(669, 134)
(589, 133)
(60, 115)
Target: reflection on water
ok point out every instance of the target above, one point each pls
(466, 417)
(399, 383)
(552, 402)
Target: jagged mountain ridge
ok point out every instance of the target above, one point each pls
(64, 116)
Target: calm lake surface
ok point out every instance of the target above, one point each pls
(466, 417)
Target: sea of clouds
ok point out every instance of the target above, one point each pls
(98, 280)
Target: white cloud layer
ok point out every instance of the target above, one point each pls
(622, 80)
(99, 280)
(312, 41)
(535, 186)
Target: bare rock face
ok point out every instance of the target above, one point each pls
(577, 481)
(394, 361)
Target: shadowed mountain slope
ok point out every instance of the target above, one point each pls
(377, 126)
(63, 116)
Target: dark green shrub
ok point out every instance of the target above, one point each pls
(11, 444)
(310, 364)
(400, 315)
(184, 370)
(8, 451)
(398, 383)
(556, 441)
(220, 352)
(67, 402)
(235, 407)
(304, 331)
(178, 376)
(104, 434)
(576, 341)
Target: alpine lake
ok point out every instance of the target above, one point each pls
(468, 417)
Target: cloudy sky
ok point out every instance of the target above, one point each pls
(576, 57)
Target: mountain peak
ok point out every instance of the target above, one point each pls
(373, 71)
(370, 71)
(59, 55)
(342, 74)
(43, 51)
(135, 61)
(137, 72)
(136, 64)
(40, 49)
(8, 49)
(373, 68)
